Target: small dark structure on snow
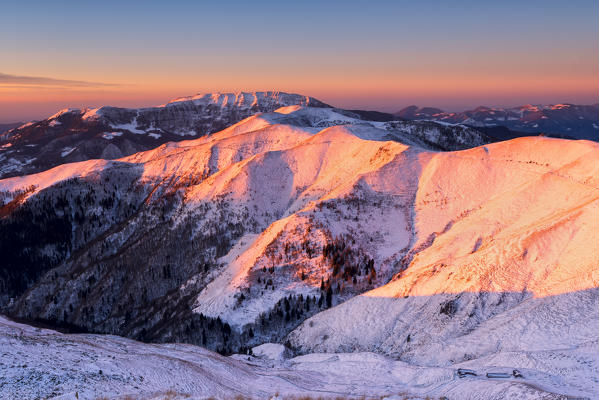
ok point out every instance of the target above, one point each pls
(463, 372)
(517, 374)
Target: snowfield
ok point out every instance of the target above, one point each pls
(40, 363)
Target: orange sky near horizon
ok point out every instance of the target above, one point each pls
(388, 92)
(377, 54)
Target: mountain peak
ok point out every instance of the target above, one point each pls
(250, 99)
(63, 111)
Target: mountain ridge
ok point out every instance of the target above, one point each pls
(561, 120)
(72, 135)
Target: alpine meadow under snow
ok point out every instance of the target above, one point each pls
(320, 252)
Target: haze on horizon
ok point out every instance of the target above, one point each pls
(381, 55)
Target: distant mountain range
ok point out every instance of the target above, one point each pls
(560, 120)
(110, 132)
(73, 135)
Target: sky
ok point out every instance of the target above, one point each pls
(376, 55)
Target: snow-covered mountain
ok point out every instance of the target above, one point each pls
(110, 132)
(560, 120)
(122, 207)
(317, 229)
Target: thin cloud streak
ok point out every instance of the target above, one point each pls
(12, 80)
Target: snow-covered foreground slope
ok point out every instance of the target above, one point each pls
(40, 363)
